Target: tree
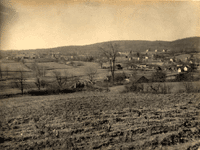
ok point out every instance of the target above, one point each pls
(111, 52)
(61, 80)
(0, 71)
(6, 70)
(39, 73)
(158, 76)
(20, 80)
(91, 73)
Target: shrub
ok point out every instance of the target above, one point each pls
(153, 87)
(165, 88)
(159, 88)
(50, 91)
(158, 76)
(184, 76)
(188, 87)
(120, 77)
(134, 87)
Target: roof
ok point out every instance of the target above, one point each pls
(140, 79)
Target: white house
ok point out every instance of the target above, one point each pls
(185, 68)
(146, 57)
(147, 50)
(156, 50)
(179, 70)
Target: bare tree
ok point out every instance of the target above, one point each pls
(0, 71)
(61, 80)
(20, 80)
(111, 53)
(39, 73)
(91, 73)
(6, 70)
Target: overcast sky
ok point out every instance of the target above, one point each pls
(46, 24)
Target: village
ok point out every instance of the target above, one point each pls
(129, 66)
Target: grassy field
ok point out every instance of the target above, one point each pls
(101, 121)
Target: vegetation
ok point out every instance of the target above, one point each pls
(20, 81)
(158, 76)
(91, 73)
(39, 73)
(111, 55)
(61, 80)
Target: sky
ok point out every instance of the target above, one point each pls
(53, 23)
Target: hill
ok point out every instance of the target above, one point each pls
(187, 44)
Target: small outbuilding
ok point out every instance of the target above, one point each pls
(142, 79)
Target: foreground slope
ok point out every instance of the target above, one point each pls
(101, 121)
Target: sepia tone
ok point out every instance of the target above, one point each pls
(102, 74)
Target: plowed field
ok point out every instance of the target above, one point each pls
(101, 121)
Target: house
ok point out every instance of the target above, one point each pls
(156, 50)
(179, 70)
(146, 57)
(164, 50)
(147, 50)
(185, 68)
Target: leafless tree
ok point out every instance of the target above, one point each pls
(0, 71)
(39, 73)
(91, 73)
(6, 70)
(61, 80)
(111, 53)
(20, 80)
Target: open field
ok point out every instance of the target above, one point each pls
(101, 121)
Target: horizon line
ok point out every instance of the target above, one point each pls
(99, 43)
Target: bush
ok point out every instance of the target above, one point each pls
(158, 76)
(189, 87)
(135, 87)
(165, 88)
(184, 77)
(159, 88)
(50, 91)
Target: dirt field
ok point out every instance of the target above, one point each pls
(101, 121)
